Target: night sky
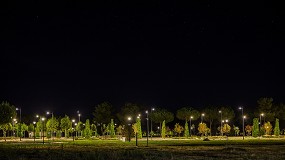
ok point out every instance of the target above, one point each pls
(72, 56)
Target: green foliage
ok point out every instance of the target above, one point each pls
(119, 130)
(265, 105)
(178, 129)
(112, 129)
(52, 125)
(248, 129)
(236, 130)
(226, 128)
(79, 128)
(203, 129)
(87, 129)
(5, 127)
(65, 125)
(276, 127)
(103, 113)
(163, 130)
(6, 112)
(186, 112)
(139, 127)
(186, 130)
(159, 115)
(211, 114)
(255, 127)
(268, 128)
(94, 130)
(128, 110)
(228, 113)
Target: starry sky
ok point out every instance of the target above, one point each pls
(72, 56)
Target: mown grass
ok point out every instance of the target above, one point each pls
(157, 150)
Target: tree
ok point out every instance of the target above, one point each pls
(87, 130)
(79, 129)
(128, 110)
(52, 125)
(65, 124)
(226, 129)
(255, 127)
(163, 130)
(236, 129)
(112, 129)
(94, 130)
(265, 105)
(24, 128)
(178, 129)
(160, 115)
(5, 127)
(268, 128)
(203, 129)
(103, 113)
(186, 112)
(228, 113)
(138, 122)
(7, 112)
(276, 127)
(186, 130)
(211, 114)
(248, 129)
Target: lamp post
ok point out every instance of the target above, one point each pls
(19, 109)
(147, 130)
(202, 115)
(152, 109)
(51, 123)
(190, 126)
(43, 119)
(78, 115)
(241, 108)
(73, 121)
(129, 119)
(262, 114)
(34, 131)
(221, 130)
(14, 121)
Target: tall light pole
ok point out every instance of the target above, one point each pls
(43, 119)
(262, 114)
(34, 131)
(190, 126)
(19, 109)
(221, 130)
(14, 121)
(147, 130)
(78, 115)
(152, 109)
(243, 117)
(73, 121)
(129, 120)
(51, 123)
(202, 115)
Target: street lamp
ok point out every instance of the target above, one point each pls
(79, 115)
(43, 119)
(147, 130)
(202, 115)
(14, 122)
(129, 119)
(243, 117)
(221, 130)
(152, 109)
(51, 123)
(73, 121)
(19, 109)
(261, 115)
(34, 131)
(190, 126)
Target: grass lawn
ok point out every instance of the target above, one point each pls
(157, 149)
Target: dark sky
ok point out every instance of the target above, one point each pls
(72, 56)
